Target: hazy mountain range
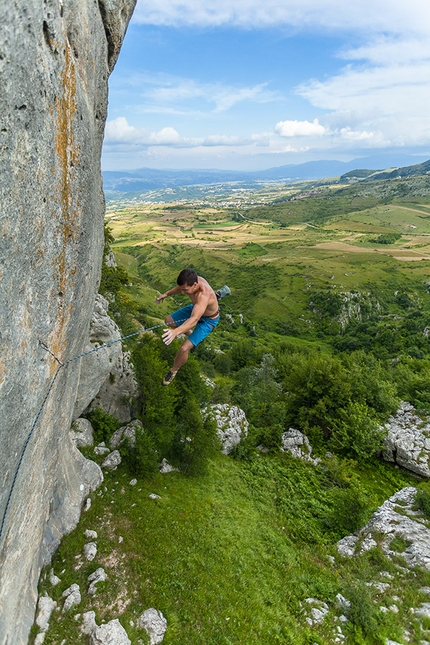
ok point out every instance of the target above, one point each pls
(144, 179)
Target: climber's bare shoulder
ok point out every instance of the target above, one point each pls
(205, 297)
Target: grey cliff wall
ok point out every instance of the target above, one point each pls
(55, 58)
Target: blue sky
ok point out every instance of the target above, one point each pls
(246, 84)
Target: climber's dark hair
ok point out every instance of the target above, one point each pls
(188, 277)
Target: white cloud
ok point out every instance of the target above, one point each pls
(119, 133)
(222, 97)
(383, 16)
(299, 128)
(385, 98)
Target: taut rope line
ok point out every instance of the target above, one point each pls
(51, 385)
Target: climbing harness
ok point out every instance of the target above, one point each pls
(221, 293)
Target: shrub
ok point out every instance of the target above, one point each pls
(318, 386)
(104, 425)
(158, 402)
(243, 353)
(141, 458)
(223, 363)
(196, 440)
(362, 611)
(422, 499)
(356, 432)
(349, 512)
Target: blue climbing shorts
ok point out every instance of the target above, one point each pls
(203, 327)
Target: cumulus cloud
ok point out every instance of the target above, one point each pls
(378, 99)
(299, 128)
(386, 96)
(120, 132)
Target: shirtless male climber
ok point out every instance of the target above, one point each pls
(203, 314)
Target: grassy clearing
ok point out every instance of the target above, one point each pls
(229, 557)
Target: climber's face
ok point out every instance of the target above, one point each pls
(187, 289)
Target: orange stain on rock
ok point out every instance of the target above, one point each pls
(67, 152)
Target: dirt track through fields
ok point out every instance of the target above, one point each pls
(397, 254)
(414, 210)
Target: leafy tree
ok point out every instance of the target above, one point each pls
(141, 457)
(243, 353)
(263, 400)
(196, 440)
(356, 433)
(158, 403)
(318, 386)
(370, 383)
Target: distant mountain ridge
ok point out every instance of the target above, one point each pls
(371, 175)
(146, 179)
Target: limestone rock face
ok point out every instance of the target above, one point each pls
(232, 425)
(119, 389)
(55, 58)
(107, 379)
(408, 441)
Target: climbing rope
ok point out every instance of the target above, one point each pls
(63, 364)
(220, 294)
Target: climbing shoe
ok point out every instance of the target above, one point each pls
(168, 378)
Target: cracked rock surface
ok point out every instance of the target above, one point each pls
(408, 441)
(232, 425)
(395, 518)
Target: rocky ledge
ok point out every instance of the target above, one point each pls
(408, 441)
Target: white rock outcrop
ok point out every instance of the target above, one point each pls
(111, 633)
(124, 433)
(72, 597)
(90, 551)
(89, 624)
(316, 611)
(82, 433)
(395, 518)
(112, 461)
(53, 579)
(232, 425)
(408, 441)
(45, 607)
(298, 445)
(107, 381)
(99, 575)
(165, 467)
(155, 625)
